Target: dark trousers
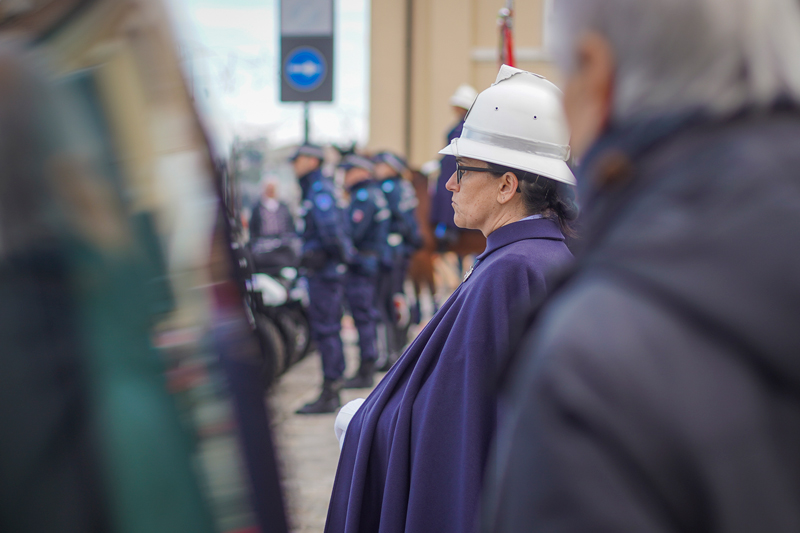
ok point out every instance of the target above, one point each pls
(360, 293)
(385, 308)
(325, 319)
(399, 271)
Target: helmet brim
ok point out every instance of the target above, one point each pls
(548, 167)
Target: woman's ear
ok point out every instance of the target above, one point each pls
(508, 187)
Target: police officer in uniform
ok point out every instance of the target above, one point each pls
(327, 250)
(404, 237)
(369, 219)
(441, 215)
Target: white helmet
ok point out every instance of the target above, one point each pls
(464, 96)
(518, 122)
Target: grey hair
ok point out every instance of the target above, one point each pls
(718, 56)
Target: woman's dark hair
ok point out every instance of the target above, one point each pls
(541, 195)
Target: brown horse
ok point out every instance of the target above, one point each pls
(422, 267)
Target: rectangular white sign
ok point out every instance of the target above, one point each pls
(306, 17)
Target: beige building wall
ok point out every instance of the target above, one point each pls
(451, 42)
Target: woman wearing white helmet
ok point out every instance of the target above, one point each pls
(414, 452)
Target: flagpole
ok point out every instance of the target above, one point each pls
(505, 23)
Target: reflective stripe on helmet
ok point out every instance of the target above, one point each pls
(544, 149)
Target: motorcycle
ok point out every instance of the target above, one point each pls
(284, 299)
(278, 299)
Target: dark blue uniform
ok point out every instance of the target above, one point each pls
(441, 205)
(327, 250)
(404, 239)
(402, 201)
(369, 220)
(404, 236)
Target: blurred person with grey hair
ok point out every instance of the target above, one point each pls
(92, 441)
(274, 242)
(271, 216)
(658, 386)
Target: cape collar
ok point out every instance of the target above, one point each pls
(538, 228)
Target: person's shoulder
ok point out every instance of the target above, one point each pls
(505, 271)
(610, 338)
(323, 184)
(362, 195)
(585, 311)
(388, 186)
(539, 256)
(322, 196)
(590, 352)
(615, 357)
(378, 195)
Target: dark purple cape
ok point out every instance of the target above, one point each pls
(414, 453)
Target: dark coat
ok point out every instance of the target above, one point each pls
(369, 218)
(327, 248)
(660, 388)
(414, 453)
(441, 206)
(402, 200)
(266, 223)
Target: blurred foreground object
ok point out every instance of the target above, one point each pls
(48, 453)
(659, 387)
(133, 399)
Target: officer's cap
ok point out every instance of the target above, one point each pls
(311, 150)
(356, 161)
(393, 160)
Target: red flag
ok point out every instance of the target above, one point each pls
(504, 22)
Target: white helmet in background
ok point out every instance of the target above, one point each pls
(464, 96)
(518, 122)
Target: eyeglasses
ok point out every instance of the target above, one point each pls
(460, 169)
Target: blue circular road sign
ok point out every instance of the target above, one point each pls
(305, 68)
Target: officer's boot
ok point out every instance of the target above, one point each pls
(364, 378)
(328, 401)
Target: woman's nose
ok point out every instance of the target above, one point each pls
(452, 185)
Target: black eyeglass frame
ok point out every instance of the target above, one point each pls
(460, 169)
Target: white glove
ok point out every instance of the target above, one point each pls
(343, 419)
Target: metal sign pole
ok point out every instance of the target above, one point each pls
(306, 105)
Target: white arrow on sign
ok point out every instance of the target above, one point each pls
(307, 69)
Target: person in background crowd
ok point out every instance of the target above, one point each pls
(274, 243)
(445, 230)
(327, 250)
(271, 217)
(404, 238)
(369, 219)
(413, 453)
(659, 386)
